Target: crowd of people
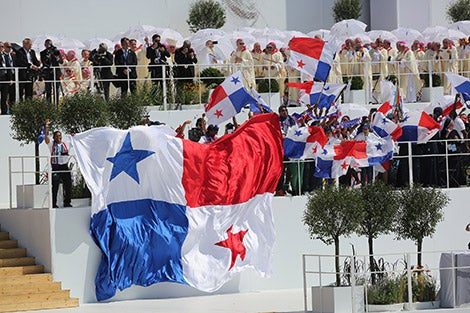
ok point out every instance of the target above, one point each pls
(56, 73)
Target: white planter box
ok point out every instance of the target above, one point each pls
(422, 305)
(272, 99)
(32, 196)
(337, 299)
(355, 96)
(385, 307)
(428, 94)
(82, 202)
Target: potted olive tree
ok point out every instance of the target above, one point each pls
(27, 120)
(330, 214)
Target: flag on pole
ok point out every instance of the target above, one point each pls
(228, 99)
(418, 127)
(303, 142)
(42, 135)
(311, 56)
(255, 107)
(461, 84)
(324, 96)
(165, 209)
(385, 127)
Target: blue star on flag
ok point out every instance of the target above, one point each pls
(384, 121)
(298, 133)
(378, 146)
(126, 159)
(235, 80)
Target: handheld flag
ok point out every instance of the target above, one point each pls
(461, 84)
(42, 135)
(418, 127)
(323, 96)
(304, 142)
(255, 107)
(312, 56)
(385, 127)
(228, 99)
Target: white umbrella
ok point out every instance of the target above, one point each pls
(364, 37)
(440, 35)
(93, 43)
(269, 34)
(463, 26)
(428, 31)
(248, 38)
(38, 41)
(383, 34)
(138, 32)
(208, 33)
(324, 33)
(348, 28)
(67, 44)
(169, 34)
(408, 35)
(223, 48)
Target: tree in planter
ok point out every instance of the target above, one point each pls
(81, 112)
(356, 82)
(210, 77)
(126, 111)
(346, 9)
(459, 10)
(377, 215)
(436, 80)
(331, 213)
(205, 14)
(27, 120)
(420, 211)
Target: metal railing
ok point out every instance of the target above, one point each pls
(357, 272)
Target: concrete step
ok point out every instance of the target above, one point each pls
(17, 262)
(21, 270)
(51, 304)
(8, 244)
(4, 235)
(12, 253)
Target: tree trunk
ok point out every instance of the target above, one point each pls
(420, 248)
(372, 261)
(338, 274)
(37, 163)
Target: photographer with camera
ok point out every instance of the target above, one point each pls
(51, 73)
(102, 61)
(157, 54)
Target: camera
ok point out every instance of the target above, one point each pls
(215, 42)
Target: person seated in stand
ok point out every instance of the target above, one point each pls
(59, 163)
(211, 134)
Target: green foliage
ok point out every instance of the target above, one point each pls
(126, 111)
(436, 80)
(189, 94)
(79, 187)
(392, 78)
(420, 211)
(332, 213)
(267, 85)
(356, 82)
(459, 10)
(81, 112)
(209, 77)
(423, 287)
(206, 92)
(205, 14)
(380, 205)
(347, 9)
(150, 94)
(388, 290)
(28, 117)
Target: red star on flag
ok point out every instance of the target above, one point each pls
(218, 113)
(300, 64)
(344, 165)
(234, 242)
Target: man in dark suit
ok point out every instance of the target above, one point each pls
(102, 61)
(51, 60)
(3, 80)
(125, 61)
(28, 63)
(8, 79)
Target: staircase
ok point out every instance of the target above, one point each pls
(23, 285)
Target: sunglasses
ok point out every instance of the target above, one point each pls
(269, 47)
(241, 43)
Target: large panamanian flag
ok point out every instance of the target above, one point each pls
(312, 56)
(167, 209)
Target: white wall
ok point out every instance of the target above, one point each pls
(89, 18)
(75, 257)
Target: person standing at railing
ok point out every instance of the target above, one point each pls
(157, 54)
(420, 56)
(450, 58)
(391, 55)
(51, 73)
(4, 79)
(408, 68)
(361, 63)
(29, 64)
(345, 58)
(10, 59)
(102, 61)
(125, 61)
(185, 58)
(273, 65)
(243, 61)
(378, 56)
(59, 163)
(463, 51)
(142, 61)
(257, 55)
